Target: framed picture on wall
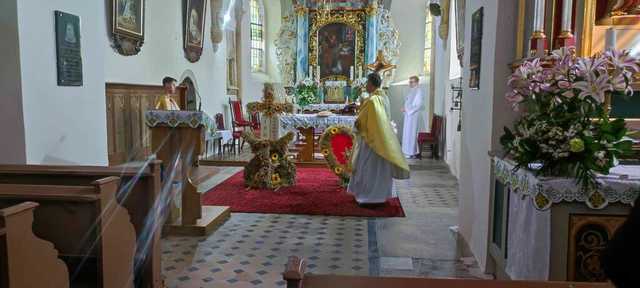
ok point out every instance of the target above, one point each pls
(194, 28)
(475, 54)
(128, 25)
(68, 50)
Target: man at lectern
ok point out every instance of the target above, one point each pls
(166, 102)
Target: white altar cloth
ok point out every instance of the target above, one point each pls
(293, 122)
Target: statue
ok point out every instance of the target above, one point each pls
(270, 167)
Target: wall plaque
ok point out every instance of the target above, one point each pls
(69, 58)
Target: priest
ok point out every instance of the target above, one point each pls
(165, 102)
(378, 158)
(412, 105)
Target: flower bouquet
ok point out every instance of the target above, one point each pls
(357, 87)
(306, 92)
(565, 128)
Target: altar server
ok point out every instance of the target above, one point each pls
(412, 106)
(378, 158)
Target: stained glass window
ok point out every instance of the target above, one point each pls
(428, 37)
(257, 37)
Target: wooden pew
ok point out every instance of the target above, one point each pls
(138, 193)
(296, 278)
(87, 225)
(25, 260)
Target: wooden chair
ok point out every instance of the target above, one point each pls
(432, 138)
(295, 277)
(255, 122)
(138, 192)
(25, 260)
(86, 224)
(239, 123)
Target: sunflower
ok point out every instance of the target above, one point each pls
(334, 130)
(275, 157)
(325, 152)
(275, 179)
(338, 170)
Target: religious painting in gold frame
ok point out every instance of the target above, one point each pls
(127, 26)
(347, 29)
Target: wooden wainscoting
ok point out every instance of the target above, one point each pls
(128, 137)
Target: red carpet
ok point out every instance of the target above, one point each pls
(317, 192)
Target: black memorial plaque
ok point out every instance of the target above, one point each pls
(69, 58)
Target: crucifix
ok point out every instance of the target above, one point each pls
(269, 110)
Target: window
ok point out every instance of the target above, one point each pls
(428, 37)
(257, 36)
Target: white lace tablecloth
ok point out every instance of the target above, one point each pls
(324, 107)
(292, 122)
(622, 185)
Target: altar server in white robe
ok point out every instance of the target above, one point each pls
(378, 158)
(412, 106)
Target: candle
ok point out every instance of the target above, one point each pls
(611, 39)
(567, 13)
(310, 72)
(318, 72)
(538, 17)
(351, 73)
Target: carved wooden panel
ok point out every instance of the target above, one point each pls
(588, 237)
(128, 137)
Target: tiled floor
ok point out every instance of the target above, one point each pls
(250, 250)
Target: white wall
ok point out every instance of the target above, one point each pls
(484, 114)
(62, 124)
(162, 55)
(12, 145)
(252, 83)
(409, 18)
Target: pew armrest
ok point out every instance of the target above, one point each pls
(294, 272)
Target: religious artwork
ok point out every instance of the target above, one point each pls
(270, 110)
(337, 49)
(270, 167)
(336, 43)
(194, 29)
(128, 26)
(286, 50)
(336, 144)
(217, 21)
(68, 50)
(232, 63)
(460, 8)
(475, 49)
(589, 236)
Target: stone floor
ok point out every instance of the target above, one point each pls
(250, 250)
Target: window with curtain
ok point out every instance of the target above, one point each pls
(428, 36)
(257, 36)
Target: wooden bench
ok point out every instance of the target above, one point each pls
(295, 277)
(25, 260)
(92, 232)
(138, 193)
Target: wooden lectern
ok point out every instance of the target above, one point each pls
(177, 140)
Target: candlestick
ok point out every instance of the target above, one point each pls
(611, 39)
(538, 17)
(567, 14)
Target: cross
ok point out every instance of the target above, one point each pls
(271, 110)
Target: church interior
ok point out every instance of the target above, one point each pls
(320, 143)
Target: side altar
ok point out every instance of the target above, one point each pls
(549, 228)
(177, 140)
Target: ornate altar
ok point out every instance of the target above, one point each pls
(548, 228)
(334, 42)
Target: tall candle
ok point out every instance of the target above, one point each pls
(318, 72)
(310, 72)
(351, 73)
(611, 39)
(538, 17)
(567, 14)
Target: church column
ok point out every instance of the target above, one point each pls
(302, 51)
(566, 38)
(538, 39)
(372, 33)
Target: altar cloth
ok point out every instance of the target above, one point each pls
(292, 122)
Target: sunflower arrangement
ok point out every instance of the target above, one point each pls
(270, 167)
(564, 128)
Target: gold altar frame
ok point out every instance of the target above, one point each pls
(355, 19)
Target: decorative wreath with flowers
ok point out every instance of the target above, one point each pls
(336, 145)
